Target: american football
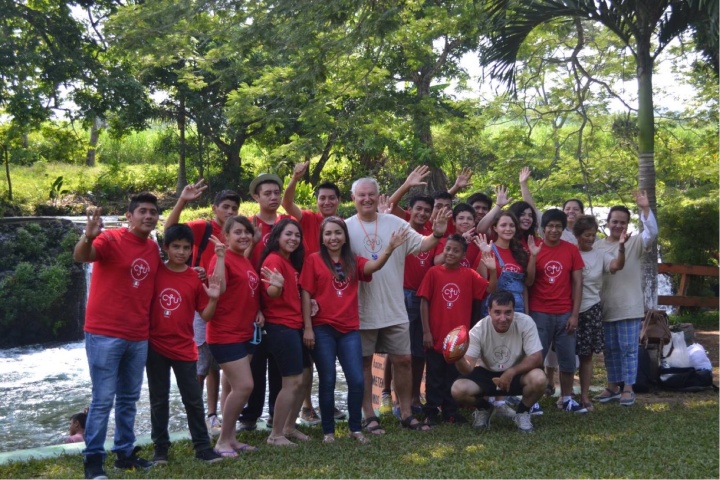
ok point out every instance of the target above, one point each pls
(456, 344)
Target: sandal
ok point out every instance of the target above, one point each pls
(627, 402)
(359, 437)
(297, 435)
(245, 448)
(329, 438)
(375, 429)
(608, 396)
(280, 441)
(418, 426)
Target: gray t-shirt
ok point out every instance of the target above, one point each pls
(382, 301)
(499, 351)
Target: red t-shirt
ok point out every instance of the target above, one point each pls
(122, 284)
(471, 254)
(198, 229)
(337, 301)
(450, 294)
(511, 264)
(310, 224)
(234, 319)
(177, 296)
(265, 228)
(285, 309)
(552, 291)
(416, 266)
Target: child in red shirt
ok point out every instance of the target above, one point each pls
(330, 277)
(179, 293)
(447, 293)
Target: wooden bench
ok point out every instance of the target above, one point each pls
(686, 271)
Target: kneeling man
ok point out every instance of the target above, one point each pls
(504, 358)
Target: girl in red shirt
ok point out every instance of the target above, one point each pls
(282, 262)
(231, 329)
(330, 279)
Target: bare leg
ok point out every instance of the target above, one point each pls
(213, 390)
(585, 378)
(239, 377)
(418, 367)
(403, 385)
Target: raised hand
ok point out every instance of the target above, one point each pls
(624, 237)
(441, 220)
(463, 179)
(220, 247)
(641, 199)
(525, 175)
(481, 241)
(273, 277)
(257, 236)
(399, 237)
(501, 196)
(383, 204)
(192, 191)
(416, 176)
(488, 259)
(469, 235)
(533, 247)
(300, 169)
(94, 225)
(213, 287)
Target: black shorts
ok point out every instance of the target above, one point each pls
(483, 378)
(229, 352)
(286, 346)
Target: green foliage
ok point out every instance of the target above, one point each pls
(35, 280)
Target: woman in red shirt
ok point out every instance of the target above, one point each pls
(231, 329)
(282, 262)
(330, 278)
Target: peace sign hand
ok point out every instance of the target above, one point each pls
(192, 191)
(94, 225)
(220, 247)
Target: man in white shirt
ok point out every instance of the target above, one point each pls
(384, 326)
(504, 358)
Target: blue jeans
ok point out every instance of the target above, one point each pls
(329, 344)
(116, 372)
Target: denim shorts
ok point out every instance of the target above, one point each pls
(286, 346)
(206, 361)
(229, 352)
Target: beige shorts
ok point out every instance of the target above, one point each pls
(394, 340)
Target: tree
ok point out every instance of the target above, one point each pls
(646, 27)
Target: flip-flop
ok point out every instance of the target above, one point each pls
(417, 426)
(608, 396)
(226, 453)
(245, 448)
(628, 402)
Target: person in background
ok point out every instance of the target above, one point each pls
(77, 428)
(117, 325)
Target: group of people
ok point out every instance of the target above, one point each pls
(263, 298)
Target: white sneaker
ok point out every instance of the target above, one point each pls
(523, 422)
(214, 425)
(505, 410)
(481, 417)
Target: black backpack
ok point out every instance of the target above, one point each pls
(686, 379)
(202, 246)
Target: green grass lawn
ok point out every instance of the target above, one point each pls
(653, 439)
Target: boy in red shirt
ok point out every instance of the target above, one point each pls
(447, 293)
(179, 293)
(117, 325)
(224, 206)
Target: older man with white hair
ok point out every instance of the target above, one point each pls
(384, 326)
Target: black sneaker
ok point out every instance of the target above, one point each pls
(93, 465)
(132, 461)
(161, 456)
(208, 456)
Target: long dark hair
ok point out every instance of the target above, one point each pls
(517, 209)
(348, 266)
(516, 248)
(273, 244)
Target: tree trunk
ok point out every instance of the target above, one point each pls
(646, 161)
(7, 171)
(437, 181)
(315, 176)
(92, 145)
(182, 166)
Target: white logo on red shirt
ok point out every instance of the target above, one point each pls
(265, 238)
(253, 282)
(339, 286)
(423, 258)
(139, 270)
(450, 293)
(170, 300)
(511, 267)
(553, 269)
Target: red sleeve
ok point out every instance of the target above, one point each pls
(360, 262)
(307, 276)
(201, 298)
(440, 247)
(426, 287)
(103, 246)
(479, 285)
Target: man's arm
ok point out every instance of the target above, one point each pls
(461, 182)
(650, 226)
(414, 179)
(466, 364)
(501, 199)
(190, 192)
(288, 200)
(84, 250)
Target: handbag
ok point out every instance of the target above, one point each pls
(655, 328)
